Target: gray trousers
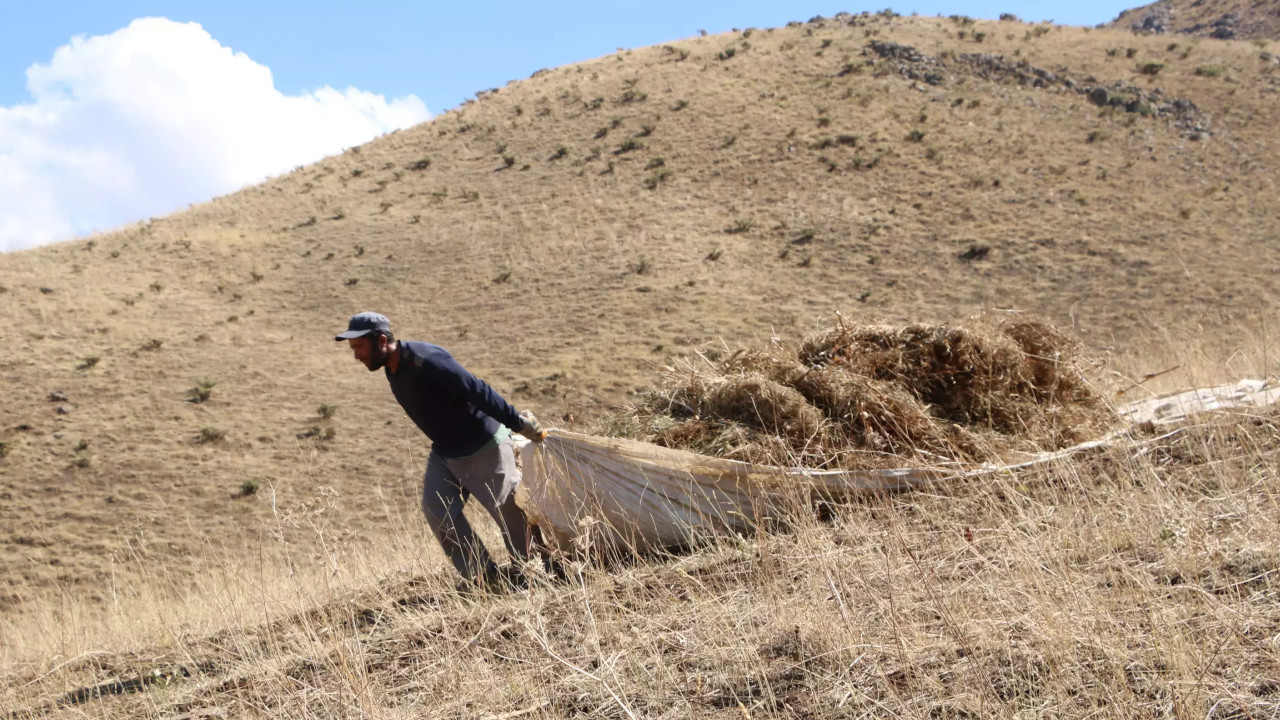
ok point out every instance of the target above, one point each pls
(492, 477)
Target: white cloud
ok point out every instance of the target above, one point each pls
(155, 116)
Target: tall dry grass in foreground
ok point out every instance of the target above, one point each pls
(1138, 581)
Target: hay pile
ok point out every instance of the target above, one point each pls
(858, 397)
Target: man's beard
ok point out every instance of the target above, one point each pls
(377, 361)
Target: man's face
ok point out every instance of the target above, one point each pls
(370, 350)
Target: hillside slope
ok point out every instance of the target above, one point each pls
(566, 235)
(1219, 19)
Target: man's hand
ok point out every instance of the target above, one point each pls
(533, 429)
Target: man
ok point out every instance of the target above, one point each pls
(470, 426)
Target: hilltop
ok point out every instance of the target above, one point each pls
(1219, 19)
(176, 403)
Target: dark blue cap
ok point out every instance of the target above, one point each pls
(362, 324)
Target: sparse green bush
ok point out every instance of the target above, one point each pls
(862, 163)
(560, 152)
(915, 136)
(741, 225)
(645, 131)
(680, 105)
(318, 433)
(628, 146)
(152, 344)
(202, 391)
(211, 435)
(653, 181)
(1150, 68)
(508, 160)
(641, 266)
(327, 411)
(1209, 71)
(88, 362)
(1097, 136)
(726, 54)
(656, 162)
(249, 487)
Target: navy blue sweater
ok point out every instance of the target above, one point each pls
(457, 410)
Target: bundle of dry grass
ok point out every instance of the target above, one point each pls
(873, 395)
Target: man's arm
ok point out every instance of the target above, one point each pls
(450, 375)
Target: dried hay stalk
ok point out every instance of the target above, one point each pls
(867, 396)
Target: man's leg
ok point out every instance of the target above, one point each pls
(442, 499)
(492, 478)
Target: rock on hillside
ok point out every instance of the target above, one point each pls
(1220, 19)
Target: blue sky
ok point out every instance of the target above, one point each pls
(107, 119)
(442, 52)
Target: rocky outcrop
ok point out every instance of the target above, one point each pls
(911, 63)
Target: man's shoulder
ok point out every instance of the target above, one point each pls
(421, 353)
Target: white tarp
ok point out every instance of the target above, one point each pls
(584, 490)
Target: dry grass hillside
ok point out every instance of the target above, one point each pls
(1220, 19)
(177, 417)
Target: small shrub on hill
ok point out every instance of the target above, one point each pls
(210, 435)
(628, 146)
(653, 181)
(202, 391)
